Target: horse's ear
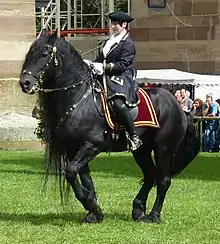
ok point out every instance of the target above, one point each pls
(42, 33)
(53, 37)
(55, 32)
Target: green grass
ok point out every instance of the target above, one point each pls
(191, 212)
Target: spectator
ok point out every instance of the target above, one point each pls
(197, 107)
(210, 109)
(186, 102)
(177, 95)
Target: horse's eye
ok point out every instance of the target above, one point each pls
(45, 54)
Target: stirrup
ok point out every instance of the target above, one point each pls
(135, 142)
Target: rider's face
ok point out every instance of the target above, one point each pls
(118, 28)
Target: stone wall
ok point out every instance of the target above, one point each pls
(164, 42)
(17, 25)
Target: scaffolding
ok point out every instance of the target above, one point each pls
(71, 16)
(71, 20)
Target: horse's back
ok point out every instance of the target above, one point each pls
(166, 104)
(172, 119)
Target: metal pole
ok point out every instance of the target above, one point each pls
(42, 17)
(129, 11)
(201, 135)
(58, 16)
(102, 13)
(75, 15)
(111, 9)
(129, 7)
(53, 9)
(69, 9)
(81, 13)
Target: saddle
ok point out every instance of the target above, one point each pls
(143, 115)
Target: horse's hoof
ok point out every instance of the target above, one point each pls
(93, 218)
(149, 219)
(155, 218)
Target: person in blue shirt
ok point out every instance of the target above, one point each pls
(210, 109)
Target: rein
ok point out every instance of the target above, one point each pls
(64, 88)
(37, 87)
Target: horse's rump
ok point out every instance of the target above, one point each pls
(187, 151)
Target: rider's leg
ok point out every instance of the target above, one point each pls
(125, 118)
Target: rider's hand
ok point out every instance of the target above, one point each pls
(108, 68)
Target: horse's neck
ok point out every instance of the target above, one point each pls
(72, 72)
(59, 103)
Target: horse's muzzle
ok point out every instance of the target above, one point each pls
(27, 85)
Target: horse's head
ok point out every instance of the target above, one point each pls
(40, 58)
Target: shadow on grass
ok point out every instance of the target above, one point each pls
(32, 161)
(56, 219)
(28, 172)
(116, 164)
(205, 167)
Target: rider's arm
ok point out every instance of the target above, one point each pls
(126, 59)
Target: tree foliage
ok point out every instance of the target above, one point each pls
(91, 11)
(90, 8)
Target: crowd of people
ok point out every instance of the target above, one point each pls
(208, 108)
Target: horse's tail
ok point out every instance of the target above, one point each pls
(187, 151)
(55, 163)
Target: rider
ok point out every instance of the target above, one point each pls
(119, 52)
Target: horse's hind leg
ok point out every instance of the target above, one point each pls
(163, 182)
(145, 162)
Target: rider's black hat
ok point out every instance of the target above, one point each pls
(120, 16)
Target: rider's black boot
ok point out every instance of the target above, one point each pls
(124, 117)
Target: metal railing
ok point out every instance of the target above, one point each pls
(201, 119)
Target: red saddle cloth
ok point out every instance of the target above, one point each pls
(146, 113)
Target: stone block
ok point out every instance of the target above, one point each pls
(207, 67)
(173, 33)
(162, 34)
(23, 30)
(200, 21)
(217, 67)
(12, 98)
(139, 9)
(205, 7)
(10, 68)
(17, 132)
(196, 33)
(140, 34)
(18, 31)
(183, 8)
(178, 51)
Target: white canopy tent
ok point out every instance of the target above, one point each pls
(203, 83)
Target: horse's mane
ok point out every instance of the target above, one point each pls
(64, 47)
(70, 70)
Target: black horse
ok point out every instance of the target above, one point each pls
(74, 127)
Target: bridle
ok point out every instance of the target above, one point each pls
(38, 87)
(52, 57)
(39, 78)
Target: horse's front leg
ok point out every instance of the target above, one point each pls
(91, 200)
(84, 193)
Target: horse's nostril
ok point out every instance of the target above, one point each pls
(27, 83)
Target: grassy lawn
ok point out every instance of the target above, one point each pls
(191, 212)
